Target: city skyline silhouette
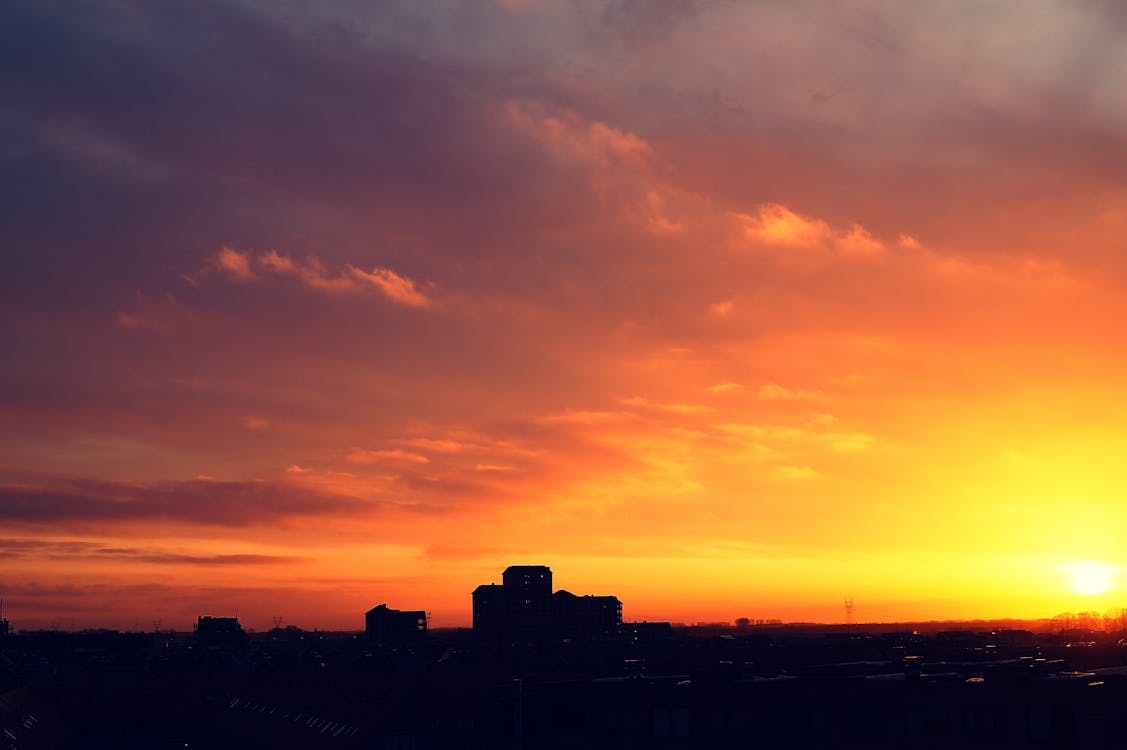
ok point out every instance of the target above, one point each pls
(493, 603)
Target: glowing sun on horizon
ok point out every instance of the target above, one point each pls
(1090, 578)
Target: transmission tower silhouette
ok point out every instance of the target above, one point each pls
(849, 610)
(278, 622)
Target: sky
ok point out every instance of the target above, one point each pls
(729, 309)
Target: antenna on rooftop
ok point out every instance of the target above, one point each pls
(849, 610)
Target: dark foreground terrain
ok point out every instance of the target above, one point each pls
(741, 688)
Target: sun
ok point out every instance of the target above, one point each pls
(1090, 578)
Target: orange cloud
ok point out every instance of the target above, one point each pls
(361, 456)
(393, 286)
(778, 225)
(234, 263)
(274, 262)
(858, 241)
(908, 242)
(313, 273)
(621, 169)
(644, 403)
(568, 133)
(438, 445)
(659, 221)
(721, 309)
(135, 322)
(774, 391)
(794, 472)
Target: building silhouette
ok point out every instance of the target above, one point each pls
(524, 609)
(219, 631)
(384, 624)
(646, 632)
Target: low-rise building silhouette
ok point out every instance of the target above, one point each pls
(523, 608)
(384, 624)
(646, 632)
(219, 631)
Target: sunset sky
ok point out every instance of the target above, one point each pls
(730, 309)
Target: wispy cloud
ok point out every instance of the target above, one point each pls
(776, 392)
(367, 456)
(93, 551)
(721, 309)
(393, 286)
(778, 225)
(235, 264)
(246, 266)
(203, 502)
